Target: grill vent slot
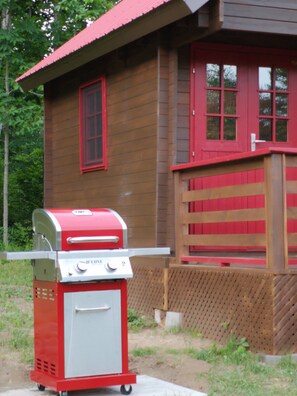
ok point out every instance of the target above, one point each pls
(44, 294)
(45, 367)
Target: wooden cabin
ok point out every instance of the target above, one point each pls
(181, 115)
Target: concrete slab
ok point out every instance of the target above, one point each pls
(146, 386)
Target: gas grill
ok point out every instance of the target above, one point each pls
(81, 263)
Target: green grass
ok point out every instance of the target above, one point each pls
(16, 311)
(235, 371)
(142, 352)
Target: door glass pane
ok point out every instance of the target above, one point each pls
(229, 128)
(213, 101)
(282, 130)
(265, 78)
(265, 103)
(281, 105)
(213, 75)
(265, 127)
(281, 79)
(213, 128)
(230, 76)
(230, 102)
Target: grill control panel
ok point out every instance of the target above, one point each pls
(78, 269)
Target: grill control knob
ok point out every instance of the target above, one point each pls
(111, 266)
(81, 266)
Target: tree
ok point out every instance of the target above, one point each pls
(30, 29)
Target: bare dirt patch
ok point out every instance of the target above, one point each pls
(168, 361)
(13, 373)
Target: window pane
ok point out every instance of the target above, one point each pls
(265, 128)
(230, 102)
(92, 144)
(281, 79)
(99, 148)
(265, 103)
(99, 125)
(213, 101)
(91, 127)
(91, 151)
(281, 130)
(265, 78)
(230, 76)
(281, 105)
(91, 103)
(213, 128)
(99, 99)
(213, 75)
(229, 128)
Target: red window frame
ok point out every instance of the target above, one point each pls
(93, 126)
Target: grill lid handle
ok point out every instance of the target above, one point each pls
(92, 239)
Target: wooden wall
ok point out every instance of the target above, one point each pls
(148, 131)
(266, 16)
(269, 16)
(129, 183)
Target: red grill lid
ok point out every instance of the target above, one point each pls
(81, 229)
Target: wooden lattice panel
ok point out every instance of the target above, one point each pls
(146, 288)
(221, 303)
(285, 314)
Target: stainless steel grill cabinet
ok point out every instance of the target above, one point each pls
(81, 264)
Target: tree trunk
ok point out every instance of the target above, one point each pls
(5, 25)
(5, 186)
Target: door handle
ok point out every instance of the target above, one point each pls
(93, 309)
(254, 141)
(92, 239)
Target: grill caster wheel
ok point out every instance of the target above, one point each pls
(126, 389)
(40, 387)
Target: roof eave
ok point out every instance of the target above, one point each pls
(136, 29)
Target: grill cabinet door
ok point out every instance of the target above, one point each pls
(92, 333)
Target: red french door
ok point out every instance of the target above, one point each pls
(241, 100)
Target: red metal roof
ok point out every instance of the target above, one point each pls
(121, 15)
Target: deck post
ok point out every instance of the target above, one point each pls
(276, 213)
(181, 208)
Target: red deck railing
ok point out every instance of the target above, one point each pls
(240, 210)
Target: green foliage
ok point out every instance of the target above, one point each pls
(137, 322)
(29, 30)
(65, 18)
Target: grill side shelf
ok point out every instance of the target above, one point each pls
(28, 255)
(53, 255)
